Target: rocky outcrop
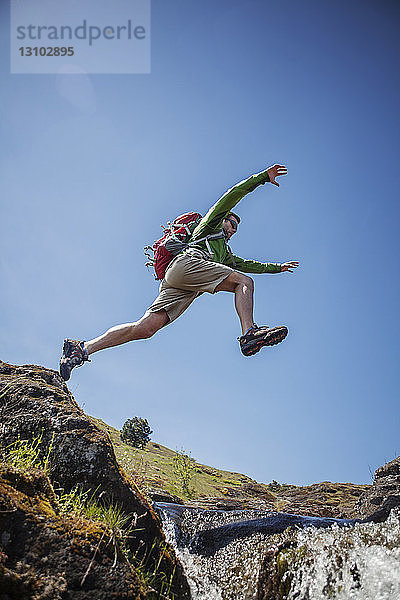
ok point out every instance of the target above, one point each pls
(326, 499)
(34, 401)
(377, 502)
(46, 556)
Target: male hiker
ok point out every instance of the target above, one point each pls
(205, 265)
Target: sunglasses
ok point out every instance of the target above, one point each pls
(232, 222)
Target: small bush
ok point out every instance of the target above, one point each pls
(136, 432)
(184, 468)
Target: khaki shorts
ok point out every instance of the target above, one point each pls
(188, 276)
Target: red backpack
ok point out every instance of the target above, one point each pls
(175, 239)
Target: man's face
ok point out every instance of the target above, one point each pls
(230, 226)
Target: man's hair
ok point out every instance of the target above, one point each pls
(234, 215)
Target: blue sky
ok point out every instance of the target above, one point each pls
(92, 165)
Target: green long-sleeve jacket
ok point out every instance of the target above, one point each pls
(211, 224)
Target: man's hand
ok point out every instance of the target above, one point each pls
(289, 266)
(276, 171)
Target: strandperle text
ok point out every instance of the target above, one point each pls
(87, 32)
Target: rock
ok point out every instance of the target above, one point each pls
(35, 401)
(46, 556)
(273, 582)
(163, 496)
(258, 490)
(326, 499)
(230, 504)
(377, 502)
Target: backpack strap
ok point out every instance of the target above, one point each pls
(231, 255)
(179, 226)
(206, 239)
(212, 236)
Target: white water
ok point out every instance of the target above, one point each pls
(230, 573)
(361, 562)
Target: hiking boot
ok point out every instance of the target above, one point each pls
(257, 337)
(74, 355)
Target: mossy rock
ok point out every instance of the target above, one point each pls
(36, 401)
(45, 556)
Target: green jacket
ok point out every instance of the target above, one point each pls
(212, 224)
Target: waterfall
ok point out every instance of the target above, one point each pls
(230, 555)
(229, 572)
(360, 563)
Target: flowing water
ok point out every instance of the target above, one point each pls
(358, 563)
(222, 553)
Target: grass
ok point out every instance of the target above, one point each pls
(27, 454)
(151, 575)
(120, 526)
(85, 504)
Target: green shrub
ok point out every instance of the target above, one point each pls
(136, 432)
(184, 468)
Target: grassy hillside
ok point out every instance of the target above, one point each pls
(152, 469)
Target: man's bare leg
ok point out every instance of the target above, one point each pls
(243, 288)
(251, 341)
(147, 326)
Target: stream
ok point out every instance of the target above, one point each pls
(230, 555)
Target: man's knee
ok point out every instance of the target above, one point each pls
(235, 279)
(247, 281)
(243, 280)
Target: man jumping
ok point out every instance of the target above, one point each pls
(206, 265)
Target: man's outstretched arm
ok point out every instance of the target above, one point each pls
(213, 219)
(254, 266)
